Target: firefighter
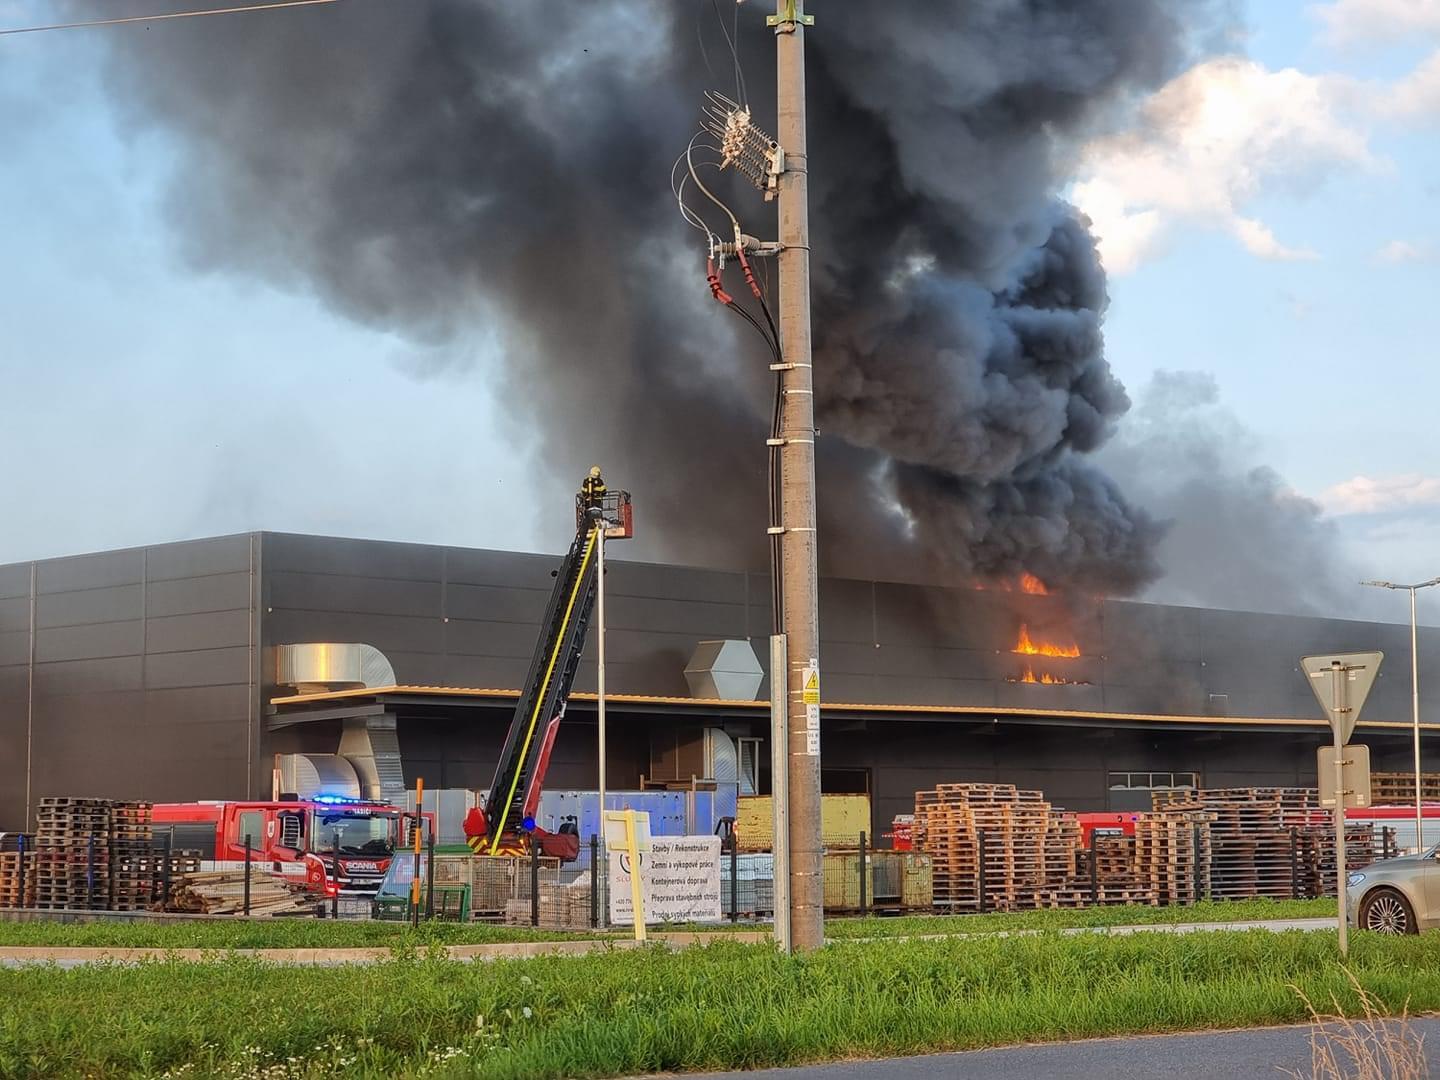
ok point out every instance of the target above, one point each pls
(592, 490)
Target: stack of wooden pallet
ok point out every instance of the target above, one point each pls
(72, 854)
(222, 892)
(1252, 836)
(1172, 855)
(134, 864)
(17, 871)
(1315, 855)
(1398, 788)
(984, 833)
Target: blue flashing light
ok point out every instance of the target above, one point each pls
(528, 824)
(339, 800)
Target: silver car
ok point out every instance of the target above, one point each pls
(1396, 896)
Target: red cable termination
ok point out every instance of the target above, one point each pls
(714, 279)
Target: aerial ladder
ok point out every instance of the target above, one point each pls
(505, 824)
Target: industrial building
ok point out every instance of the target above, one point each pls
(155, 673)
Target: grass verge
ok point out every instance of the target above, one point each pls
(323, 934)
(1207, 911)
(728, 1005)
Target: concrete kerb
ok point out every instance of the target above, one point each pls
(15, 955)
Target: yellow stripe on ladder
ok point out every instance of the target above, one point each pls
(545, 685)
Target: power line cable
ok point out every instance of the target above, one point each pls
(271, 6)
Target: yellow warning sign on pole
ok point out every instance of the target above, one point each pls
(810, 686)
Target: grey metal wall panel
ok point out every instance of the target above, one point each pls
(211, 667)
(701, 621)
(469, 566)
(14, 720)
(290, 553)
(207, 630)
(92, 641)
(99, 571)
(15, 613)
(495, 603)
(388, 633)
(14, 580)
(198, 558)
(70, 677)
(114, 604)
(350, 593)
(14, 647)
(691, 585)
(195, 596)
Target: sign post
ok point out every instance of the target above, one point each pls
(1340, 684)
(629, 831)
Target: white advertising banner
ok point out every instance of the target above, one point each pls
(680, 876)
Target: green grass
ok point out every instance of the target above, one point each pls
(313, 933)
(1208, 911)
(728, 1005)
(263, 934)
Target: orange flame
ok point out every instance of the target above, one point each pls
(1026, 647)
(1043, 679)
(1031, 584)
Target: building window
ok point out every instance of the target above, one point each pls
(1153, 781)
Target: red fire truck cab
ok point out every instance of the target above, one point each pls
(301, 840)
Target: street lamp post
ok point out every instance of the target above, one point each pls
(1414, 696)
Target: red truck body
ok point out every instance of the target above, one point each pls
(298, 839)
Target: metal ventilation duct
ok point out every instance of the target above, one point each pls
(308, 775)
(724, 669)
(316, 667)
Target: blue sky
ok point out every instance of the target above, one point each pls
(146, 402)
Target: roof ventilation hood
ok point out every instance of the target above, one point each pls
(317, 667)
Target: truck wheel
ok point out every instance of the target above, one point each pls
(1386, 911)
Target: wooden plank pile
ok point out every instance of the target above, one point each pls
(222, 892)
(989, 832)
(17, 871)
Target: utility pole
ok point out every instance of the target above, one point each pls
(798, 571)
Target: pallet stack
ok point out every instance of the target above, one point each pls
(72, 854)
(1315, 855)
(984, 832)
(1172, 855)
(17, 871)
(1398, 788)
(134, 864)
(1253, 836)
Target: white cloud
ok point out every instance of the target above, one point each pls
(1349, 22)
(1417, 96)
(1378, 494)
(1205, 146)
(1403, 251)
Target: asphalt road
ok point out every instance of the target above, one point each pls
(1216, 1055)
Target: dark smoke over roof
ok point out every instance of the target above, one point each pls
(466, 172)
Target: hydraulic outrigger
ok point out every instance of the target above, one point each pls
(506, 824)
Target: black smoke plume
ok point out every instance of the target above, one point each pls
(463, 171)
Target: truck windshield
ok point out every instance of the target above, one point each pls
(359, 834)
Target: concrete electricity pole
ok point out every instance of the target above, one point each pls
(797, 485)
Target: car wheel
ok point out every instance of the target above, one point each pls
(1385, 911)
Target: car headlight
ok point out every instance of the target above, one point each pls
(1354, 879)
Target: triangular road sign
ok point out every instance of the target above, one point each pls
(1341, 682)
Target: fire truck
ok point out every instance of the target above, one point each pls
(300, 839)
